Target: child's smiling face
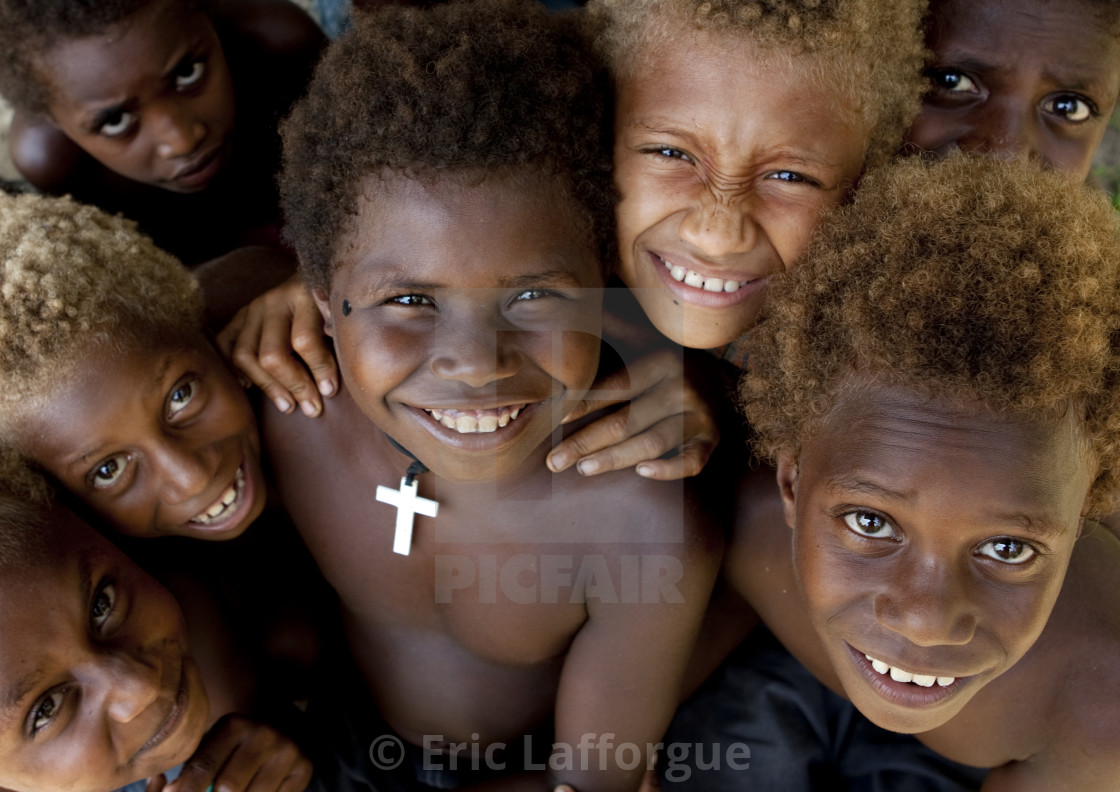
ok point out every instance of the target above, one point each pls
(1019, 76)
(933, 541)
(159, 440)
(466, 317)
(152, 99)
(725, 162)
(100, 687)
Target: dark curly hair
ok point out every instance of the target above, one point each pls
(29, 28)
(487, 87)
(970, 279)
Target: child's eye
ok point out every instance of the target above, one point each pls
(109, 471)
(189, 73)
(180, 397)
(44, 712)
(102, 606)
(670, 153)
(1070, 108)
(1007, 550)
(953, 81)
(117, 124)
(868, 524)
(534, 294)
(791, 176)
(410, 299)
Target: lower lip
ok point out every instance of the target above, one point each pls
(904, 694)
(233, 520)
(482, 442)
(173, 719)
(706, 299)
(200, 178)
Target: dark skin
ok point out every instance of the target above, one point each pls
(182, 140)
(950, 546)
(473, 667)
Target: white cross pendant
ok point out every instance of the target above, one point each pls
(408, 503)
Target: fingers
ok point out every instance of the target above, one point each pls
(287, 376)
(612, 443)
(311, 345)
(241, 756)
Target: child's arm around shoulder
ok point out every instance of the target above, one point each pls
(623, 675)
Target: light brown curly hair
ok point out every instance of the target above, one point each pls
(492, 87)
(868, 53)
(72, 278)
(971, 279)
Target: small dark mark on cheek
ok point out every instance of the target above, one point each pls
(676, 302)
(345, 307)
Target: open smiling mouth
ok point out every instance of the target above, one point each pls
(901, 675)
(226, 503)
(691, 278)
(476, 421)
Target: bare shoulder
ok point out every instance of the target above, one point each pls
(43, 154)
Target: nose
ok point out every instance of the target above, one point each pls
(477, 355)
(929, 604)
(178, 131)
(1004, 131)
(185, 468)
(132, 681)
(720, 224)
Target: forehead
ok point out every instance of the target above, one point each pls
(107, 65)
(483, 232)
(1073, 37)
(730, 86)
(927, 449)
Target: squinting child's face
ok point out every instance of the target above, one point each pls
(101, 687)
(152, 99)
(1019, 76)
(466, 318)
(160, 441)
(932, 542)
(725, 164)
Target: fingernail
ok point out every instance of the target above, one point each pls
(309, 409)
(559, 461)
(588, 467)
(645, 470)
(283, 405)
(326, 387)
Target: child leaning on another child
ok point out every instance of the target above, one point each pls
(937, 383)
(459, 271)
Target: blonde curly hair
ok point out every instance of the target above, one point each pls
(970, 279)
(72, 278)
(868, 52)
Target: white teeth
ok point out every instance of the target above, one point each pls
(899, 675)
(475, 421)
(224, 502)
(466, 424)
(698, 281)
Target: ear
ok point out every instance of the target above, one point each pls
(323, 302)
(787, 486)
